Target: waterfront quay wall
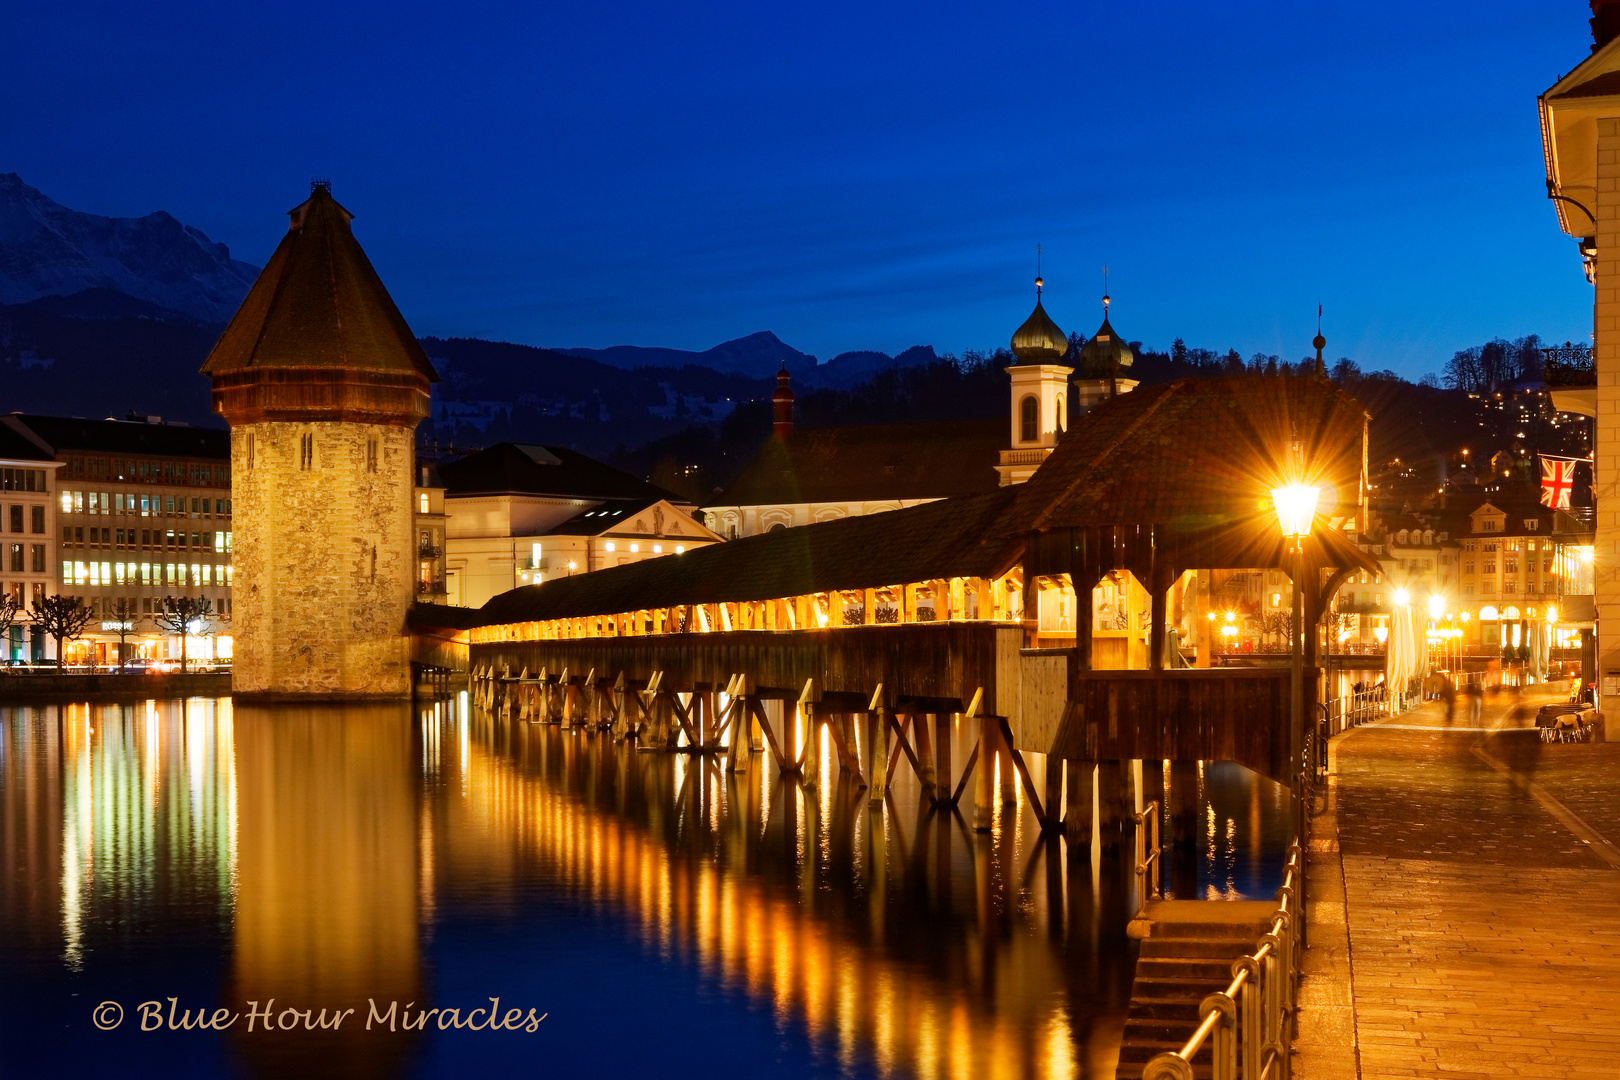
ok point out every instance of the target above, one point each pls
(24, 689)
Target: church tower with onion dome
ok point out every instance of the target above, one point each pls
(1039, 394)
(1104, 362)
(322, 384)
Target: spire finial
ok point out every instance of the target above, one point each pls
(1106, 301)
(1038, 281)
(1320, 342)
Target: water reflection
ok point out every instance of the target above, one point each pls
(324, 857)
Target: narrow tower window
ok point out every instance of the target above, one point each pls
(1030, 420)
(306, 452)
(250, 450)
(371, 455)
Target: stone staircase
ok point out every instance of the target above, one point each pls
(1186, 956)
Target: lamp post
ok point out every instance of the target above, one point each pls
(1296, 508)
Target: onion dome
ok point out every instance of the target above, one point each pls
(1106, 355)
(1039, 341)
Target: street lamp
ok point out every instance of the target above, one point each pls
(1296, 509)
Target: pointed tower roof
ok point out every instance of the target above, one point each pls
(318, 303)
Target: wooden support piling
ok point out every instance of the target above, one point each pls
(1108, 802)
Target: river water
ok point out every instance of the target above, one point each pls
(175, 861)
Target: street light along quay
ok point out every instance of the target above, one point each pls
(1296, 509)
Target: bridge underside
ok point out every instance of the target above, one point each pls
(1182, 715)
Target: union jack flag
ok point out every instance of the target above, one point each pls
(1557, 481)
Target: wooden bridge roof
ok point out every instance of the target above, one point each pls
(1196, 453)
(949, 538)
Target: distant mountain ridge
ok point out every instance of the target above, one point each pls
(47, 249)
(100, 316)
(758, 355)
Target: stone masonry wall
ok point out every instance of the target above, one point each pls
(1606, 465)
(324, 558)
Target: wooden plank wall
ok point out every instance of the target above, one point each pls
(1190, 715)
(948, 660)
(1043, 689)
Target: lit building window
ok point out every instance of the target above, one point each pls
(422, 503)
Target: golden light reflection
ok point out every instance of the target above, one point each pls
(624, 833)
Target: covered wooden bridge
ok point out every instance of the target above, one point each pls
(881, 636)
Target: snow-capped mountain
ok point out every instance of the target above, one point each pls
(46, 249)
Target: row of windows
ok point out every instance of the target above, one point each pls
(152, 472)
(33, 559)
(100, 502)
(1509, 566)
(219, 541)
(1509, 545)
(107, 606)
(36, 518)
(25, 592)
(105, 573)
(22, 480)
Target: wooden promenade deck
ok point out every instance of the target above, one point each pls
(1465, 918)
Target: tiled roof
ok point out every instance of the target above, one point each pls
(442, 616)
(64, 433)
(1598, 86)
(932, 460)
(523, 469)
(952, 538)
(1195, 454)
(319, 304)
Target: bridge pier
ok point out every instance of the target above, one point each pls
(1079, 779)
(1108, 804)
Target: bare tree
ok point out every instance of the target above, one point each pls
(62, 617)
(183, 615)
(124, 616)
(10, 606)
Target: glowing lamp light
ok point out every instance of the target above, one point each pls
(1552, 614)
(572, 565)
(1437, 606)
(1465, 617)
(1296, 507)
(1231, 616)
(1402, 597)
(1381, 633)
(610, 545)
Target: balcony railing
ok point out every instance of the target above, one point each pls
(1569, 365)
(434, 587)
(428, 551)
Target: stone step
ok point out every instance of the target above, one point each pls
(1216, 970)
(1213, 948)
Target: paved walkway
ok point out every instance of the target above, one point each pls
(1465, 910)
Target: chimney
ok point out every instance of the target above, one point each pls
(782, 405)
(1605, 22)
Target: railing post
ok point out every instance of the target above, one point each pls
(1249, 1018)
(1223, 1040)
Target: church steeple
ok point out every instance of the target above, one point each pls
(1039, 393)
(1103, 362)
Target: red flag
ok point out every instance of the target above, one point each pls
(1557, 481)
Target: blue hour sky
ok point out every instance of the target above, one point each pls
(850, 176)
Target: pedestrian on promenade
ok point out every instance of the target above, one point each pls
(1448, 694)
(1475, 699)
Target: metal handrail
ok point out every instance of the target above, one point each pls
(1147, 856)
(1250, 1023)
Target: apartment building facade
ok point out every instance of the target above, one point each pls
(140, 511)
